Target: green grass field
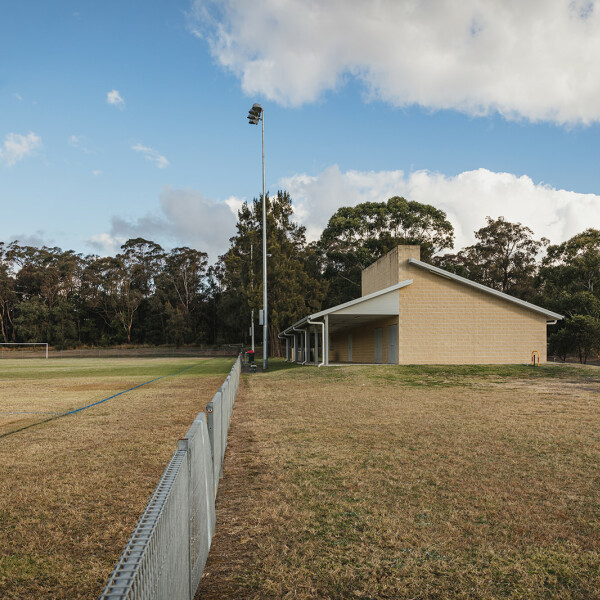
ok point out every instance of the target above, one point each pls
(411, 483)
(74, 486)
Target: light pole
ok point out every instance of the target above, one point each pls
(252, 286)
(255, 115)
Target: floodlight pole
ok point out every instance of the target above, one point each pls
(255, 115)
(264, 232)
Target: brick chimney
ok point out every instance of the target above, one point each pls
(389, 269)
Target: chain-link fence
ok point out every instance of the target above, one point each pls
(166, 554)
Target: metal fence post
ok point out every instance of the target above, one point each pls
(210, 422)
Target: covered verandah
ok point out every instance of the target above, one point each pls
(307, 341)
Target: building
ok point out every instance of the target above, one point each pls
(411, 312)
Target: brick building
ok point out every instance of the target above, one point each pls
(413, 313)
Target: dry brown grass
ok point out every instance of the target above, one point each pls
(73, 488)
(387, 482)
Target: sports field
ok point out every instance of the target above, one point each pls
(411, 483)
(74, 485)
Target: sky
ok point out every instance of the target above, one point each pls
(127, 118)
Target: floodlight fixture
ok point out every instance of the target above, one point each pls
(255, 113)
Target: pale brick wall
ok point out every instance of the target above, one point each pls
(363, 342)
(445, 322)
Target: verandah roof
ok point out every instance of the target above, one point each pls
(365, 309)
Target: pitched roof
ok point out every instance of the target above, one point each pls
(484, 288)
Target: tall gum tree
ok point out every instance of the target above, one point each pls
(294, 285)
(503, 258)
(357, 236)
(569, 280)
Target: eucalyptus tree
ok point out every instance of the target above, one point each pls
(181, 288)
(569, 280)
(46, 281)
(357, 236)
(8, 298)
(505, 258)
(295, 287)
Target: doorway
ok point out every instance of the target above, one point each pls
(392, 341)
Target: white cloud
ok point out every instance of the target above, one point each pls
(96, 172)
(152, 155)
(16, 147)
(535, 59)
(105, 243)
(466, 198)
(18, 97)
(234, 204)
(186, 218)
(113, 97)
(74, 141)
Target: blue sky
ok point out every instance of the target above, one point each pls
(120, 119)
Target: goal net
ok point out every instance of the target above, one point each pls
(23, 350)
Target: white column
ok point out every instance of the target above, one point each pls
(326, 341)
(306, 345)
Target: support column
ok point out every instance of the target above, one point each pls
(287, 349)
(316, 345)
(326, 341)
(295, 349)
(307, 345)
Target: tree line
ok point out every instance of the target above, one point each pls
(147, 295)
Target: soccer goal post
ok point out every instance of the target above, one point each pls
(21, 344)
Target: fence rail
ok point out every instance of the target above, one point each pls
(166, 554)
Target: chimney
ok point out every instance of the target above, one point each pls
(389, 269)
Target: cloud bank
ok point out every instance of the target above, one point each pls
(16, 147)
(185, 218)
(536, 60)
(466, 198)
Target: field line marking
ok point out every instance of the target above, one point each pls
(71, 412)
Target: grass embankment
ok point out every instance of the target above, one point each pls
(411, 482)
(74, 487)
